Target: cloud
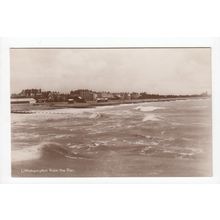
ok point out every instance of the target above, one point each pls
(160, 70)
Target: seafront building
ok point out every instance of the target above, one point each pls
(84, 95)
(106, 95)
(135, 95)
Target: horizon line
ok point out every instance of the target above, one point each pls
(150, 93)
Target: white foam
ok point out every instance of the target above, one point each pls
(60, 136)
(186, 154)
(66, 111)
(25, 154)
(151, 117)
(154, 143)
(95, 115)
(75, 146)
(147, 108)
(106, 107)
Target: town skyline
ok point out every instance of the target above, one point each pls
(167, 71)
(105, 91)
(84, 95)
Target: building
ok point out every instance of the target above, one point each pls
(105, 95)
(23, 101)
(126, 96)
(117, 96)
(135, 95)
(122, 96)
(95, 96)
(85, 94)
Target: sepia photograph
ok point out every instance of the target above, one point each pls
(109, 109)
(111, 112)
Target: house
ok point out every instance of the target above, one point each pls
(104, 96)
(85, 94)
(126, 96)
(135, 95)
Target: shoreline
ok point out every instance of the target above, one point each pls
(29, 108)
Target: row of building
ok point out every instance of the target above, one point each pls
(80, 95)
(85, 95)
(89, 95)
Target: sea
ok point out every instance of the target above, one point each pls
(151, 139)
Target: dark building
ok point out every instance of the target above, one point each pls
(135, 95)
(106, 95)
(85, 94)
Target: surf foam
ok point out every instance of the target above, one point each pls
(29, 153)
(151, 117)
(95, 115)
(147, 108)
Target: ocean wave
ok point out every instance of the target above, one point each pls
(28, 153)
(67, 110)
(187, 152)
(53, 150)
(146, 150)
(106, 107)
(151, 117)
(54, 114)
(96, 115)
(46, 149)
(147, 108)
(186, 155)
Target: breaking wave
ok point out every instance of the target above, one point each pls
(147, 108)
(29, 153)
(95, 115)
(46, 149)
(53, 150)
(151, 117)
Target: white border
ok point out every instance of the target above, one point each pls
(5, 150)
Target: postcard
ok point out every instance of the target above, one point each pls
(111, 112)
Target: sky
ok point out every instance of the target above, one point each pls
(151, 70)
